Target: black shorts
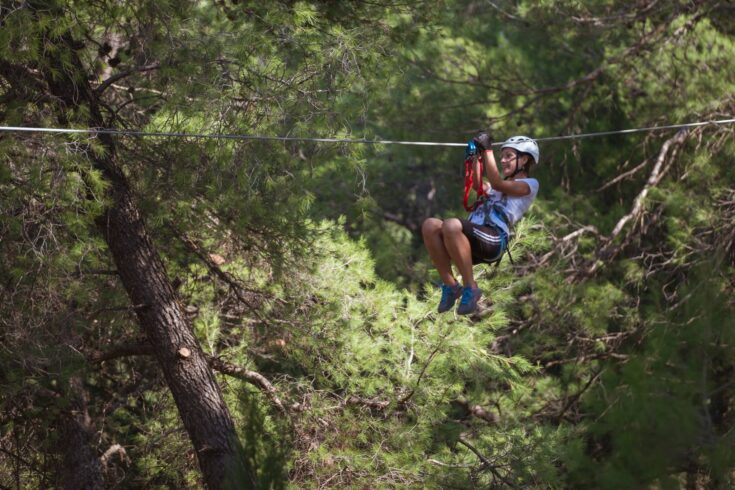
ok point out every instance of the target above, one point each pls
(487, 242)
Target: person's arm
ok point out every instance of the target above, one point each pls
(508, 187)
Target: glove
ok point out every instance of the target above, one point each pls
(483, 141)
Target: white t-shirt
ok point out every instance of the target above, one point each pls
(497, 203)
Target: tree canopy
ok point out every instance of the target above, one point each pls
(184, 312)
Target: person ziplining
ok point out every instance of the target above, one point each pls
(483, 236)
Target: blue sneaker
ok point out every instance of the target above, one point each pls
(468, 303)
(450, 294)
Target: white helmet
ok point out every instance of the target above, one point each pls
(523, 144)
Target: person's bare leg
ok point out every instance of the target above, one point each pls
(431, 230)
(458, 247)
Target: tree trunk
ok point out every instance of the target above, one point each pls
(197, 395)
(191, 380)
(80, 468)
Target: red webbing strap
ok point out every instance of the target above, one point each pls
(468, 163)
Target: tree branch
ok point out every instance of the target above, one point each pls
(410, 394)
(653, 179)
(372, 403)
(401, 221)
(119, 76)
(623, 176)
(583, 358)
(561, 244)
(112, 450)
(485, 462)
(145, 349)
(609, 251)
(574, 398)
(472, 448)
(244, 294)
(436, 462)
(251, 377)
(478, 411)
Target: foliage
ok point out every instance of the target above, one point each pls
(601, 357)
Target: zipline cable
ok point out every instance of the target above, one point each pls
(157, 134)
(162, 134)
(638, 130)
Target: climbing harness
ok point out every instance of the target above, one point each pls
(505, 238)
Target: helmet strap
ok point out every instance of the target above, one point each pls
(517, 170)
